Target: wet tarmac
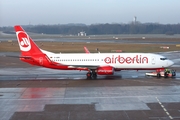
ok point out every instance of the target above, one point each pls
(33, 93)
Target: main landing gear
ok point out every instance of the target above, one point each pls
(91, 74)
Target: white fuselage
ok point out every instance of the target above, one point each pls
(116, 60)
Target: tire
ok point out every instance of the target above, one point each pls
(94, 76)
(88, 75)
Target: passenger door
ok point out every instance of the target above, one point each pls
(153, 60)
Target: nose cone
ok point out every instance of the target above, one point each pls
(170, 63)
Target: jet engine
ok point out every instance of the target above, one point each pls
(105, 70)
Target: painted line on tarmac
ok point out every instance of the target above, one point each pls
(165, 110)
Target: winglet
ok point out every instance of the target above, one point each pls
(86, 50)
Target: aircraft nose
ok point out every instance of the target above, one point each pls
(170, 63)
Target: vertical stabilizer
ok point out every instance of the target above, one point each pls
(26, 44)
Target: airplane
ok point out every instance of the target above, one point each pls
(94, 63)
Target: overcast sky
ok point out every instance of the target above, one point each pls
(24, 12)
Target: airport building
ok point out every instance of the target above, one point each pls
(82, 33)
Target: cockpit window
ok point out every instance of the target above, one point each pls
(163, 58)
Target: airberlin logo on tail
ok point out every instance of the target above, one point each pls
(23, 40)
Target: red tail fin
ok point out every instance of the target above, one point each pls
(26, 44)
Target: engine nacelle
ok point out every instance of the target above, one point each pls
(106, 70)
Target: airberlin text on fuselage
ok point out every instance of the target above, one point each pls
(129, 60)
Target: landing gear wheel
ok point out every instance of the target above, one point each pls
(93, 75)
(89, 75)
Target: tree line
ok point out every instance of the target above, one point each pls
(101, 29)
